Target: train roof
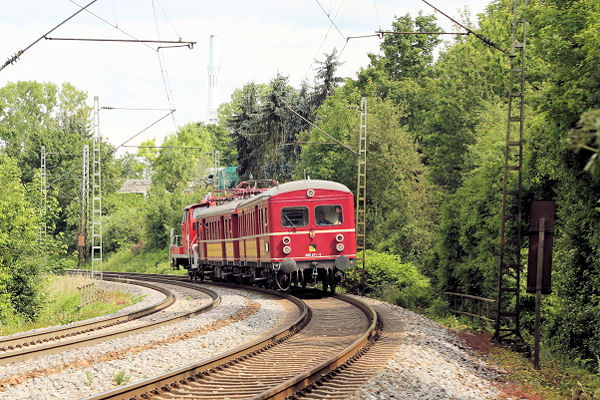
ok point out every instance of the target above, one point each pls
(293, 186)
(225, 208)
(231, 206)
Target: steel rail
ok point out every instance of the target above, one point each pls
(30, 339)
(168, 382)
(334, 364)
(54, 348)
(153, 385)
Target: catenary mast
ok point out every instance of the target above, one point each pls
(213, 82)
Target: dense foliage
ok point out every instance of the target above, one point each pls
(436, 131)
(20, 258)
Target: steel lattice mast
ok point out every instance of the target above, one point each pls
(96, 194)
(507, 326)
(361, 188)
(85, 198)
(43, 201)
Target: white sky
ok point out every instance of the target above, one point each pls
(257, 39)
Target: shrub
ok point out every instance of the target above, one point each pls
(389, 279)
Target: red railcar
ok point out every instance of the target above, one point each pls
(301, 231)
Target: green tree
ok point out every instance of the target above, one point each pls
(586, 136)
(175, 169)
(265, 120)
(35, 114)
(401, 205)
(564, 37)
(20, 257)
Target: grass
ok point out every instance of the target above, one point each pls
(150, 261)
(62, 304)
(121, 377)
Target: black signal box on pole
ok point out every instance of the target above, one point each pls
(540, 210)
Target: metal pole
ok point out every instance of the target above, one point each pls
(43, 200)
(97, 194)
(85, 194)
(538, 294)
(361, 189)
(217, 162)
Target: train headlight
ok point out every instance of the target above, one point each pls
(339, 237)
(310, 193)
(287, 249)
(286, 240)
(338, 247)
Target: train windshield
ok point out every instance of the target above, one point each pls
(294, 216)
(329, 215)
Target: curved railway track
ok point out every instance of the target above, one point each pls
(332, 348)
(21, 347)
(329, 334)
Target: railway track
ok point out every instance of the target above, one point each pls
(21, 347)
(329, 334)
(329, 351)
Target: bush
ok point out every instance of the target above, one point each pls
(389, 279)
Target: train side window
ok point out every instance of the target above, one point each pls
(329, 215)
(294, 216)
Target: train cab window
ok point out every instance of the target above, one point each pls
(294, 216)
(329, 215)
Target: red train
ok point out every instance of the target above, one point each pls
(297, 232)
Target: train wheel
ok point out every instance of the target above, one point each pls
(283, 280)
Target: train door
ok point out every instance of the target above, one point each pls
(202, 238)
(221, 233)
(256, 223)
(235, 237)
(242, 234)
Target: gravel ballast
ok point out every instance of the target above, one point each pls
(86, 375)
(431, 363)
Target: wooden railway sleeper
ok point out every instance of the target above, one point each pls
(332, 374)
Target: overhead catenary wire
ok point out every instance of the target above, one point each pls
(328, 16)
(377, 14)
(469, 30)
(163, 147)
(381, 33)
(324, 39)
(168, 19)
(322, 131)
(143, 130)
(163, 70)
(111, 24)
(187, 44)
(19, 53)
(157, 50)
(134, 109)
(115, 11)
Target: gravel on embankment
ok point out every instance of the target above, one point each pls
(432, 362)
(81, 372)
